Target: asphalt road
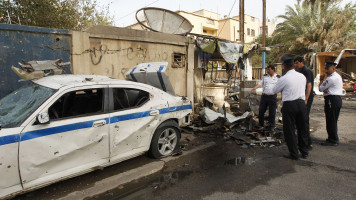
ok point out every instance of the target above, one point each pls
(230, 171)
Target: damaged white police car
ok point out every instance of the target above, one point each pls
(61, 126)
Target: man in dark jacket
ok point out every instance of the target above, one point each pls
(309, 94)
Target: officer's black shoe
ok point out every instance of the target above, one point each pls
(271, 129)
(310, 147)
(304, 155)
(290, 157)
(328, 143)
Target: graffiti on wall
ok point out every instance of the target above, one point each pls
(135, 52)
(96, 54)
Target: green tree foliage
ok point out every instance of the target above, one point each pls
(316, 26)
(257, 57)
(61, 14)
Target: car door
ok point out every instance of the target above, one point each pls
(133, 118)
(75, 141)
(9, 171)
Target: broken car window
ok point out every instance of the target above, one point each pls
(81, 102)
(125, 98)
(20, 104)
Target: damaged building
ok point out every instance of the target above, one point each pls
(113, 51)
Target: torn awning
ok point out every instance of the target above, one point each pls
(230, 52)
(207, 46)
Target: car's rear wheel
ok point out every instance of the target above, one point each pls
(165, 140)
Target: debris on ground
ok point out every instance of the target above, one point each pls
(239, 127)
(209, 116)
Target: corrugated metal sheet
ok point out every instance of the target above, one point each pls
(26, 43)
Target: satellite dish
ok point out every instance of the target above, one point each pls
(166, 21)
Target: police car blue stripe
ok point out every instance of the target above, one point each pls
(132, 75)
(59, 129)
(129, 117)
(161, 78)
(9, 139)
(82, 125)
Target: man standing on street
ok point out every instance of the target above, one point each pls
(268, 99)
(292, 85)
(332, 89)
(309, 95)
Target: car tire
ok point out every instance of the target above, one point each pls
(165, 140)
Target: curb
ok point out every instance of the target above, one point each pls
(113, 182)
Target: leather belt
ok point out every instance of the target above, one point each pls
(270, 95)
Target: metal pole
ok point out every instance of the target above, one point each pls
(242, 21)
(242, 32)
(264, 36)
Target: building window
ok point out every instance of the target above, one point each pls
(178, 60)
(266, 28)
(248, 32)
(252, 32)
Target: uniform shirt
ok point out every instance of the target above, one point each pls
(333, 83)
(268, 83)
(292, 85)
(310, 78)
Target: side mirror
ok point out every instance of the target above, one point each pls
(43, 118)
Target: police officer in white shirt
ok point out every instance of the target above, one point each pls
(268, 99)
(332, 89)
(292, 85)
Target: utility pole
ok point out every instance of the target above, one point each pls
(242, 32)
(264, 37)
(242, 21)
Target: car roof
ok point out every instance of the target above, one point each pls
(59, 81)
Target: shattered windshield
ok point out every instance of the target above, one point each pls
(18, 105)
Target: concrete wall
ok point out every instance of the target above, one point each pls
(226, 29)
(112, 51)
(230, 31)
(208, 14)
(201, 23)
(271, 26)
(253, 24)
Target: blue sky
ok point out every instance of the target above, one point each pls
(124, 10)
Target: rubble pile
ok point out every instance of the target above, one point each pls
(240, 127)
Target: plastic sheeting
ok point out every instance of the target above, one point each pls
(211, 116)
(207, 46)
(231, 52)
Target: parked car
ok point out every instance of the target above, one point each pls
(62, 126)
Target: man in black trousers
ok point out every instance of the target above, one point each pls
(309, 95)
(292, 85)
(268, 99)
(332, 91)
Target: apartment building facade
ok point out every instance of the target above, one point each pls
(210, 23)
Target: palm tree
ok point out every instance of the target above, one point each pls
(316, 26)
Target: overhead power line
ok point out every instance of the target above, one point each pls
(136, 10)
(228, 16)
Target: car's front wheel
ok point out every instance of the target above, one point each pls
(165, 140)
